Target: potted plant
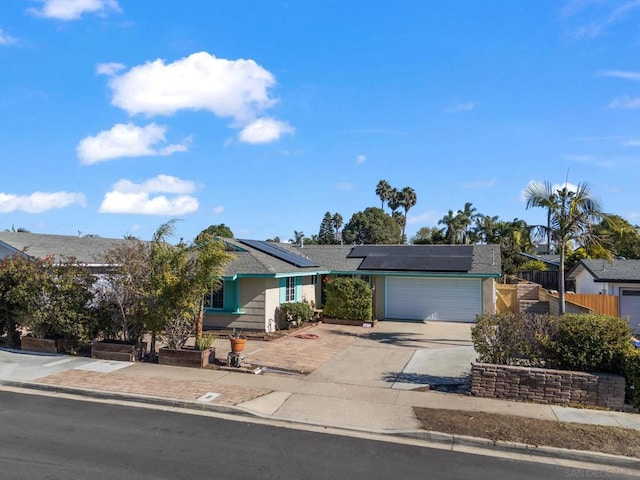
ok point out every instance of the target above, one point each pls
(238, 341)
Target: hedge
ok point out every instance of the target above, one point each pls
(348, 299)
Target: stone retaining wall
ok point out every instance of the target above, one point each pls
(539, 385)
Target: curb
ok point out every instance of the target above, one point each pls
(584, 456)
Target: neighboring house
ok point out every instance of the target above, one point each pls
(410, 282)
(551, 260)
(87, 250)
(612, 277)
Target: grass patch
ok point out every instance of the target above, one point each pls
(511, 428)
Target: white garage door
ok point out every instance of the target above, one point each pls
(450, 299)
(630, 307)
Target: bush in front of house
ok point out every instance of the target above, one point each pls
(348, 299)
(512, 338)
(631, 374)
(589, 343)
(294, 314)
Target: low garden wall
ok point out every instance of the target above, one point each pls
(539, 385)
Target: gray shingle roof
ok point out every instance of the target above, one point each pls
(609, 270)
(85, 249)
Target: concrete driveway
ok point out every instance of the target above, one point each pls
(399, 355)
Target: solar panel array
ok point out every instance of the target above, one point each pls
(280, 253)
(430, 258)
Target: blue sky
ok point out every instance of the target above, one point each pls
(117, 115)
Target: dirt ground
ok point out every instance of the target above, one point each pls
(509, 428)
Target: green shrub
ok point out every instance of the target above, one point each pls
(348, 299)
(533, 265)
(513, 338)
(294, 314)
(589, 343)
(631, 373)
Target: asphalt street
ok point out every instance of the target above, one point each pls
(57, 438)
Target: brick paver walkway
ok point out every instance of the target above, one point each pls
(297, 354)
(189, 390)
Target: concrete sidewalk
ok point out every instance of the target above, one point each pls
(355, 379)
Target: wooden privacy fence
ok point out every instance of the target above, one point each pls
(601, 304)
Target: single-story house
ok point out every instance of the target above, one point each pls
(612, 277)
(410, 282)
(618, 277)
(87, 250)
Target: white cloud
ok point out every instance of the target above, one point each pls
(602, 15)
(345, 186)
(627, 103)
(481, 184)
(423, 218)
(622, 74)
(126, 140)
(462, 107)
(39, 202)
(74, 9)
(109, 69)
(264, 130)
(6, 39)
(360, 159)
(227, 88)
(159, 184)
(136, 198)
(218, 209)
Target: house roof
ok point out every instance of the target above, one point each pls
(609, 270)
(248, 260)
(552, 259)
(87, 250)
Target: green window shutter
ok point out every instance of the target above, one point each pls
(283, 289)
(298, 289)
(231, 295)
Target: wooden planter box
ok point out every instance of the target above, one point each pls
(186, 357)
(45, 345)
(117, 351)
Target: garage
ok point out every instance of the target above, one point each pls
(433, 298)
(630, 307)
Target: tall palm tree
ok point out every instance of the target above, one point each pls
(298, 237)
(394, 199)
(466, 217)
(542, 194)
(408, 199)
(452, 223)
(337, 221)
(572, 216)
(383, 191)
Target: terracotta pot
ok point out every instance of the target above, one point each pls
(237, 344)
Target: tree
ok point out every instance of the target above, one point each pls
(429, 236)
(14, 229)
(298, 238)
(622, 238)
(220, 230)
(451, 221)
(383, 191)
(408, 199)
(466, 217)
(50, 298)
(542, 194)
(394, 200)
(336, 222)
(181, 275)
(325, 234)
(572, 215)
(124, 294)
(372, 226)
(486, 229)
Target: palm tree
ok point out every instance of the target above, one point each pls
(467, 216)
(572, 216)
(337, 222)
(383, 191)
(394, 199)
(408, 199)
(298, 237)
(542, 194)
(452, 223)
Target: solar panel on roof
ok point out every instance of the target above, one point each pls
(435, 258)
(280, 253)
